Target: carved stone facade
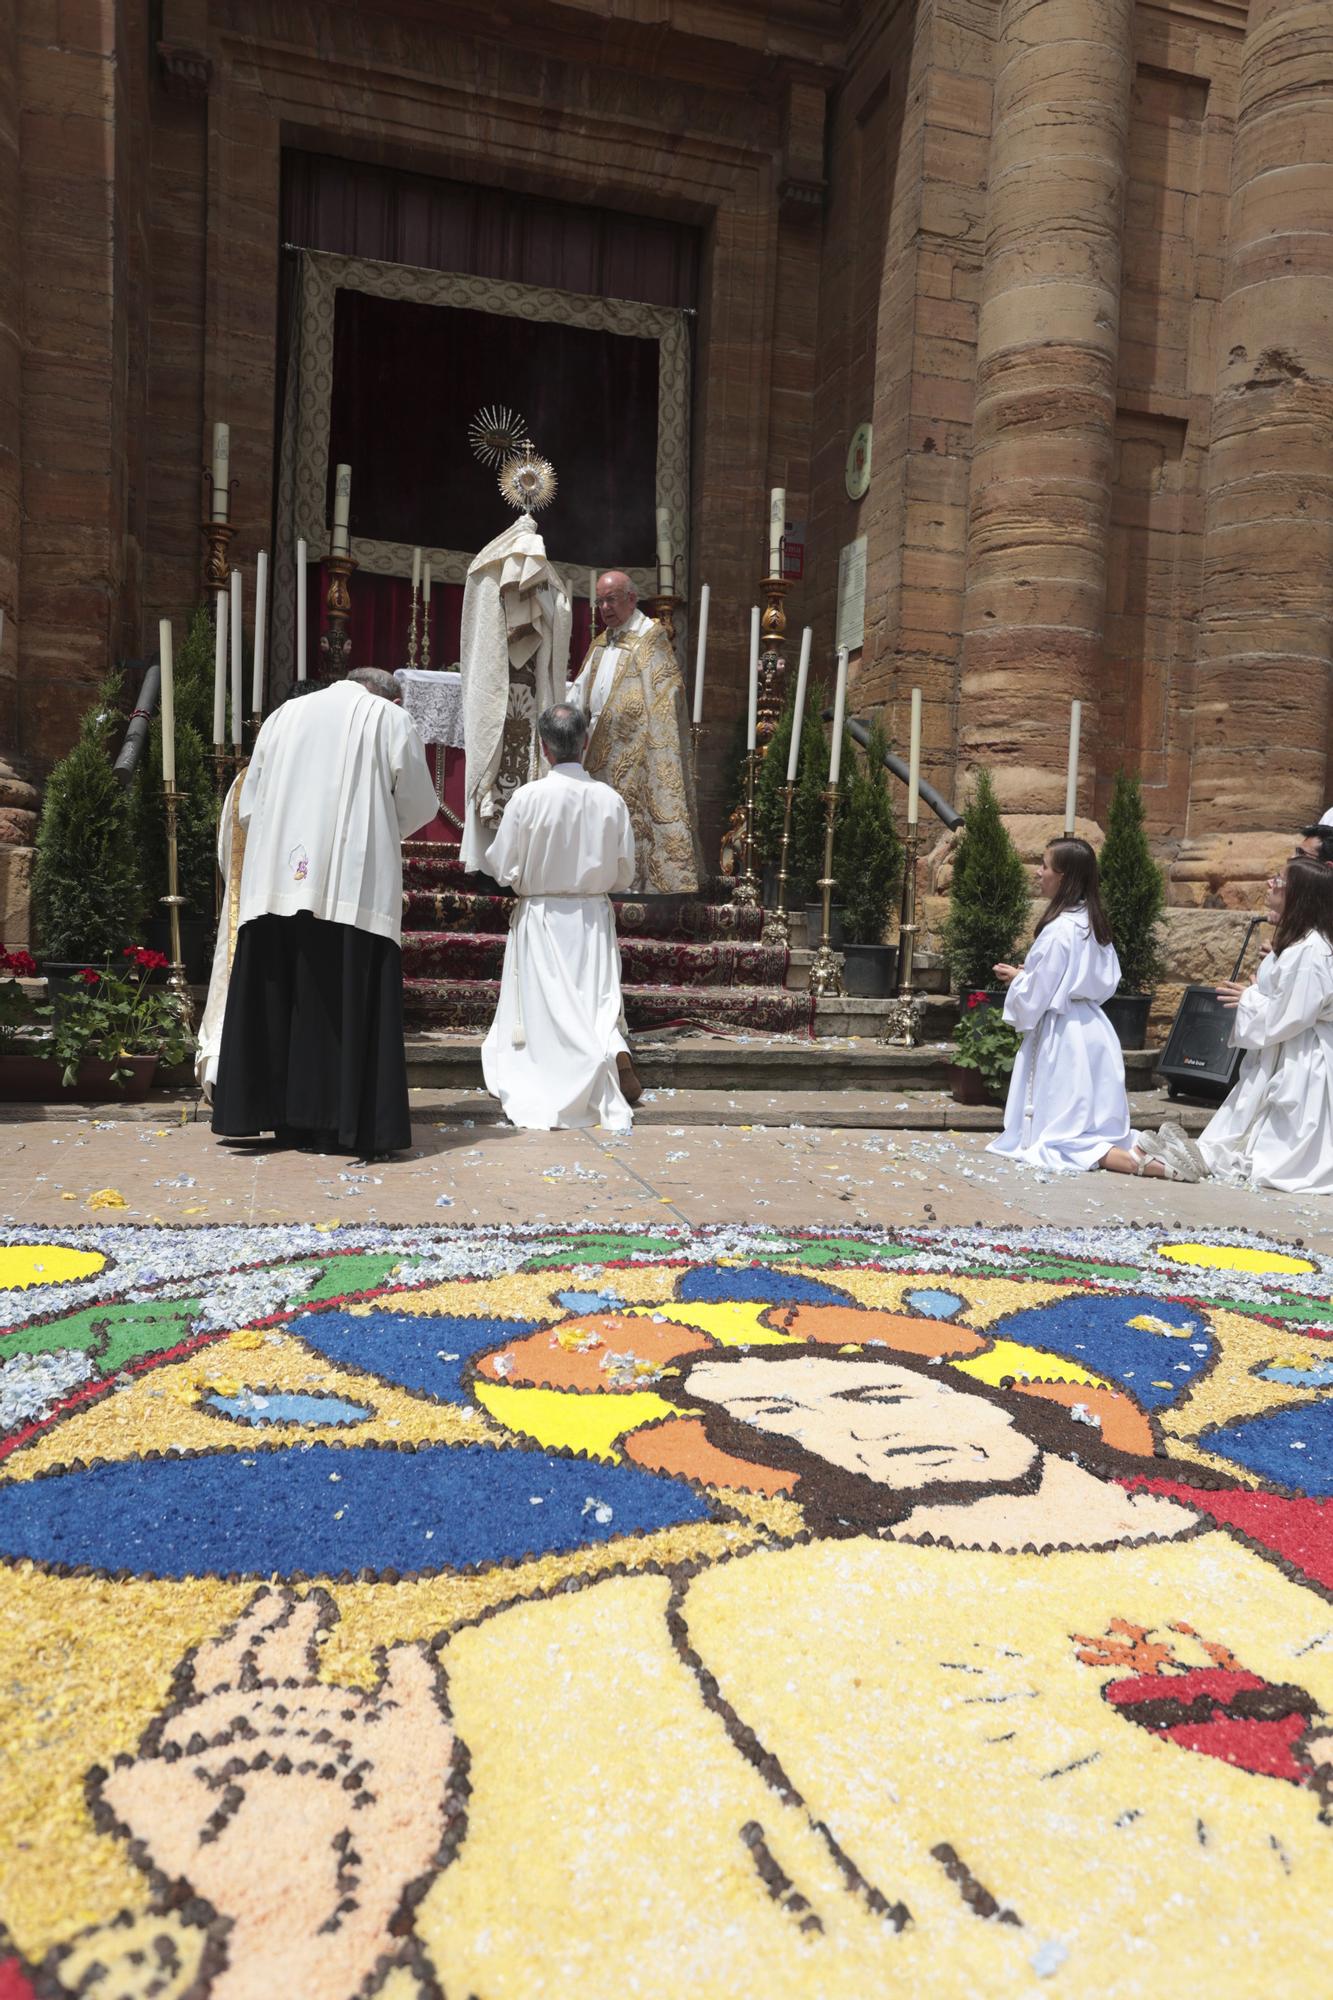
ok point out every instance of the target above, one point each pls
(1072, 258)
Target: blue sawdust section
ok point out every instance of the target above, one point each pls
(424, 1353)
(1292, 1446)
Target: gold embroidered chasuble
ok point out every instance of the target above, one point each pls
(640, 746)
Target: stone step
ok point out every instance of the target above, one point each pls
(685, 918)
(470, 1003)
(456, 956)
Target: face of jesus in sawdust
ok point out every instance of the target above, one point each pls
(893, 1425)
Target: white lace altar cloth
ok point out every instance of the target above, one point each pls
(435, 703)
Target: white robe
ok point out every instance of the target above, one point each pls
(1276, 1128)
(594, 681)
(564, 846)
(208, 1041)
(1067, 1105)
(338, 780)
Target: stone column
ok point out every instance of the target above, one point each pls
(1044, 423)
(1265, 632)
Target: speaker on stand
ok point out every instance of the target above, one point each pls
(1198, 1059)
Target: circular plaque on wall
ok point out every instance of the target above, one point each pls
(858, 463)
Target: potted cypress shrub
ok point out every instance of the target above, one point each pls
(988, 896)
(868, 862)
(86, 889)
(1133, 896)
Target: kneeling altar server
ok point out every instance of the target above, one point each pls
(555, 1054)
(312, 1037)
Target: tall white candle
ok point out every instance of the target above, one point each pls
(237, 638)
(300, 610)
(777, 522)
(914, 763)
(220, 669)
(416, 571)
(752, 707)
(342, 508)
(261, 613)
(798, 713)
(1071, 780)
(700, 653)
(663, 538)
(221, 471)
(839, 712)
(168, 701)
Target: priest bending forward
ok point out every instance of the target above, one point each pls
(555, 1055)
(312, 1037)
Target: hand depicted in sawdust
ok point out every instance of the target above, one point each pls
(310, 1816)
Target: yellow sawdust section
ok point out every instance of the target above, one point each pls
(530, 1294)
(1008, 1359)
(126, 1958)
(1228, 1257)
(731, 1324)
(87, 1663)
(24, 1264)
(1232, 1389)
(572, 1419)
(908, 1716)
(986, 1299)
(162, 1409)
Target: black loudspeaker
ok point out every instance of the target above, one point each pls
(1198, 1056)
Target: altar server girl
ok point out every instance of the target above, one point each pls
(1067, 1109)
(1275, 1130)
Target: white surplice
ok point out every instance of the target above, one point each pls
(338, 780)
(1067, 1105)
(208, 1040)
(564, 846)
(596, 676)
(1275, 1129)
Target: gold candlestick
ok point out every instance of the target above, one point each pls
(425, 631)
(335, 645)
(698, 730)
(176, 983)
(826, 965)
(412, 631)
(772, 659)
(777, 921)
(217, 566)
(902, 1021)
(746, 893)
(663, 609)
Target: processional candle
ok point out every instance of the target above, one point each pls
(342, 509)
(914, 763)
(839, 711)
(664, 577)
(699, 656)
(1071, 779)
(261, 610)
(777, 521)
(221, 471)
(300, 610)
(752, 709)
(798, 713)
(168, 701)
(416, 572)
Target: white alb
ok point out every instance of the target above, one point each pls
(1275, 1130)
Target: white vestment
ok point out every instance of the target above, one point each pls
(1276, 1128)
(1067, 1105)
(208, 1041)
(513, 655)
(564, 846)
(338, 780)
(594, 681)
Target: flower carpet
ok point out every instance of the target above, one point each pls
(496, 1613)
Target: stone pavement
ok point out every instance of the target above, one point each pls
(779, 1168)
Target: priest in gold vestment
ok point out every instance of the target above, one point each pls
(631, 690)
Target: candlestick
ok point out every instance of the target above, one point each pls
(914, 762)
(904, 1015)
(335, 645)
(772, 659)
(261, 614)
(1071, 780)
(798, 712)
(414, 616)
(839, 712)
(342, 509)
(826, 965)
(700, 652)
(168, 701)
(752, 708)
(777, 523)
(302, 610)
(221, 480)
(425, 621)
(777, 922)
(237, 665)
(176, 982)
(220, 669)
(746, 893)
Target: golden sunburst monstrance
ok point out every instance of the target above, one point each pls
(497, 435)
(528, 482)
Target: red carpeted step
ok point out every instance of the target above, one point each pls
(457, 909)
(441, 1003)
(644, 961)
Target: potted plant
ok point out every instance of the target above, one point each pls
(1133, 896)
(86, 891)
(867, 861)
(984, 1048)
(196, 818)
(24, 1063)
(988, 896)
(115, 1027)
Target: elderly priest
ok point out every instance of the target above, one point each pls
(312, 1037)
(632, 693)
(555, 1054)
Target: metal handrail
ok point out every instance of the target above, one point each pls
(939, 805)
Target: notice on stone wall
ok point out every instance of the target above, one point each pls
(852, 595)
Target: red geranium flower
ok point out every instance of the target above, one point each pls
(21, 963)
(151, 961)
(89, 977)
(976, 1000)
